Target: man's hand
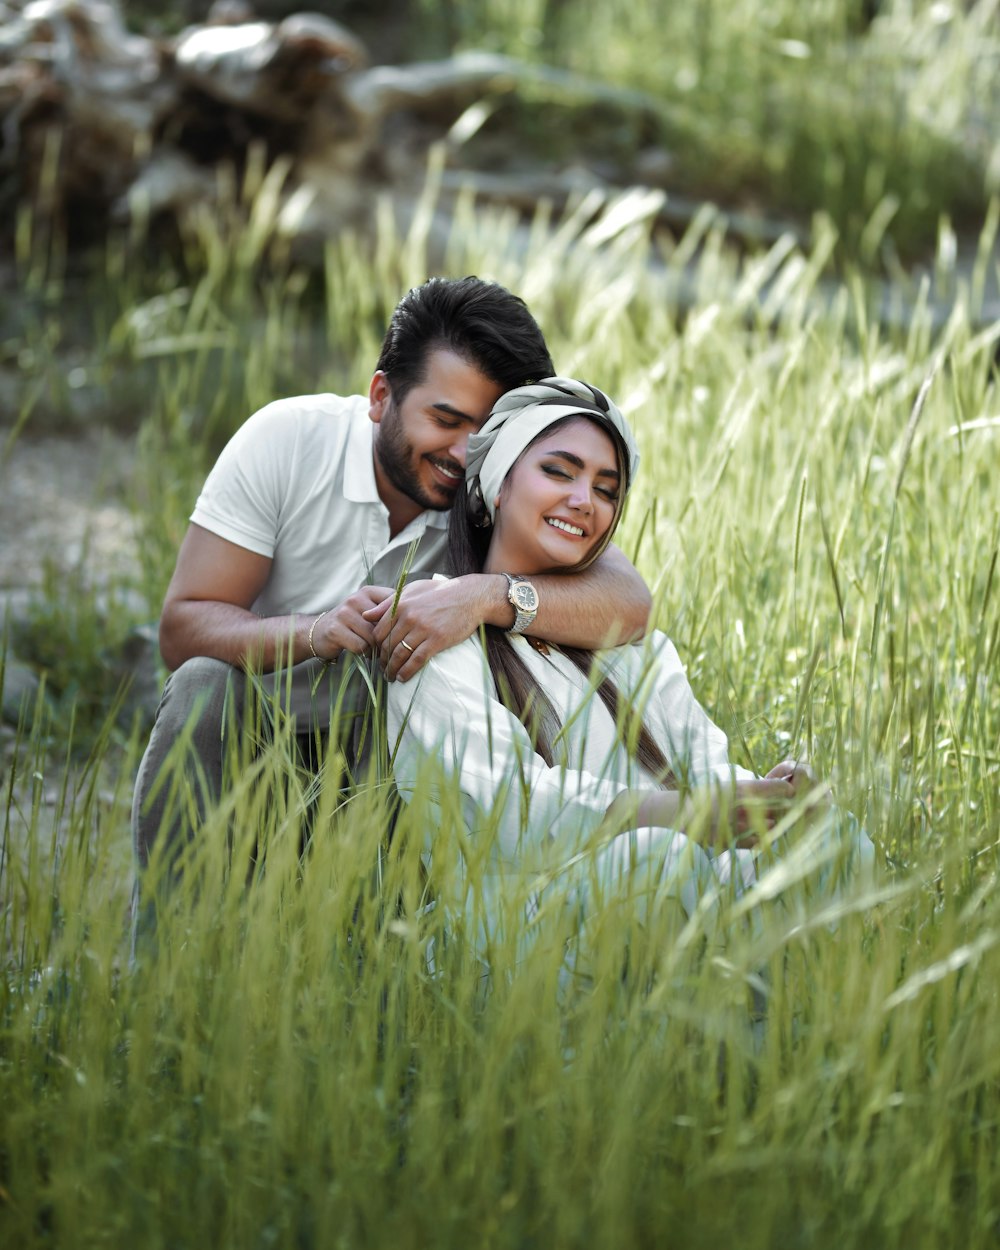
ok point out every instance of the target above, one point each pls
(430, 617)
(606, 604)
(345, 627)
(209, 611)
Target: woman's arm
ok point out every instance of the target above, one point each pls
(711, 814)
(717, 800)
(451, 719)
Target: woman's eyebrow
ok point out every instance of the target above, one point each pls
(574, 459)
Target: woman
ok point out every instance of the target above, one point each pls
(558, 751)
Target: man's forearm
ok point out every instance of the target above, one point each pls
(233, 634)
(605, 605)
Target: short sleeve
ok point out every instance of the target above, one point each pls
(244, 494)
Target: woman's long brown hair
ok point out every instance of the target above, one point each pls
(516, 687)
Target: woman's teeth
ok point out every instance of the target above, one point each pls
(564, 526)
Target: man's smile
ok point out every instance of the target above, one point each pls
(449, 468)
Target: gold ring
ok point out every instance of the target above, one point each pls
(404, 643)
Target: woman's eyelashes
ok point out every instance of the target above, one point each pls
(606, 492)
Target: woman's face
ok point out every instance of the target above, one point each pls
(558, 500)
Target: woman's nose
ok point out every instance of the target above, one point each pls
(581, 496)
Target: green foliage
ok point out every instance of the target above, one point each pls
(285, 1066)
(837, 106)
(793, 108)
(79, 638)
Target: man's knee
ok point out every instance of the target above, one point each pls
(186, 740)
(201, 682)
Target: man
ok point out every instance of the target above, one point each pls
(302, 528)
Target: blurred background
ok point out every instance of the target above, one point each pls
(877, 113)
(126, 123)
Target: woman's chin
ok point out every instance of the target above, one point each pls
(567, 553)
(565, 562)
(552, 557)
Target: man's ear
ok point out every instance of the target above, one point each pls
(379, 396)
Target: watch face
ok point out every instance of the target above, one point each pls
(525, 597)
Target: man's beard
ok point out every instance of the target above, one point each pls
(397, 459)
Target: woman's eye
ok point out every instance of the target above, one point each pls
(553, 471)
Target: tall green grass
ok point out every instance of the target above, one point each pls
(284, 1066)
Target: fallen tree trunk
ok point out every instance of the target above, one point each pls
(99, 124)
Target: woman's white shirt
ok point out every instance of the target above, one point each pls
(451, 714)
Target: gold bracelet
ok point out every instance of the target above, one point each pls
(312, 648)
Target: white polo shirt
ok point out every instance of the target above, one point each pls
(296, 483)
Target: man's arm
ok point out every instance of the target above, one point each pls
(605, 605)
(207, 612)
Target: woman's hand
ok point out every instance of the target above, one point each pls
(801, 779)
(722, 814)
(741, 813)
(711, 814)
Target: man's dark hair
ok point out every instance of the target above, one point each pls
(482, 322)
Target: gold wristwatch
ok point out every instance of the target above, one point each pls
(523, 599)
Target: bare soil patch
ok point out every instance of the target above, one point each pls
(64, 499)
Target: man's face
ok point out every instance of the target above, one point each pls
(420, 444)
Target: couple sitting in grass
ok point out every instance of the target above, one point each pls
(299, 535)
